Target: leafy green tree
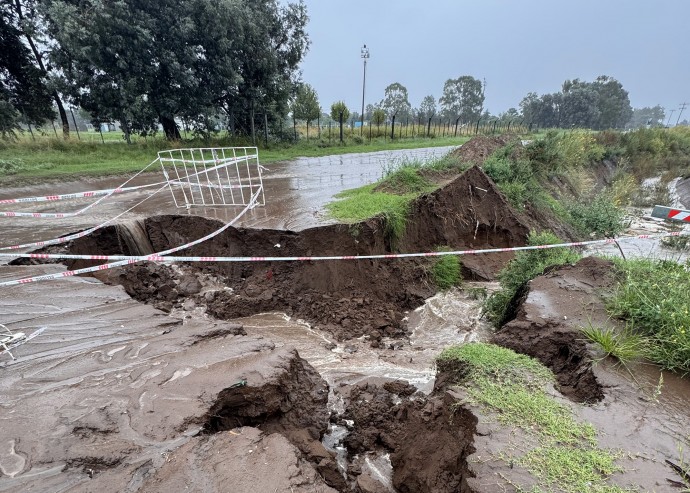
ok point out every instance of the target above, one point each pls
(150, 62)
(378, 116)
(369, 112)
(580, 107)
(340, 113)
(306, 105)
(462, 98)
(614, 104)
(642, 117)
(395, 102)
(543, 111)
(24, 83)
(427, 109)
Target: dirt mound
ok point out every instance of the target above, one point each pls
(478, 148)
(347, 298)
(242, 461)
(547, 324)
(428, 438)
(292, 405)
(469, 213)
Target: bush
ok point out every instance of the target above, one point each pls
(525, 266)
(598, 217)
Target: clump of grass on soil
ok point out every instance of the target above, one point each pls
(624, 345)
(363, 203)
(512, 385)
(446, 271)
(653, 296)
(525, 266)
(391, 196)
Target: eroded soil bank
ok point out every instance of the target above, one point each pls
(634, 408)
(347, 298)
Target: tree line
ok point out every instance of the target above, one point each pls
(145, 63)
(601, 104)
(233, 64)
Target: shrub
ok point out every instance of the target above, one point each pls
(525, 266)
(598, 217)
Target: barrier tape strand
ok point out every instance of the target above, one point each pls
(164, 258)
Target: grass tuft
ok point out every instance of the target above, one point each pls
(626, 346)
(653, 296)
(446, 271)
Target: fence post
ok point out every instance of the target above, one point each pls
(341, 127)
(393, 129)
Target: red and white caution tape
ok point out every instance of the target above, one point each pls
(159, 256)
(78, 195)
(164, 258)
(65, 239)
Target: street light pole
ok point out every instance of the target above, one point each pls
(365, 57)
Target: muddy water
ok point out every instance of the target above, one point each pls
(296, 192)
(448, 318)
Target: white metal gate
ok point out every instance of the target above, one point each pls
(213, 176)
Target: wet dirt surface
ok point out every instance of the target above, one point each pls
(130, 397)
(624, 404)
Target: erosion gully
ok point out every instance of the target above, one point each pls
(296, 193)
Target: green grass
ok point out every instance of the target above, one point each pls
(525, 266)
(512, 386)
(51, 158)
(391, 196)
(363, 203)
(623, 345)
(653, 296)
(446, 271)
(573, 470)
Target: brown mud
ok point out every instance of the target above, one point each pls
(426, 438)
(347, 298)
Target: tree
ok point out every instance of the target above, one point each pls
(369, 112)
(642, 117)
(340, 113)
(462, 98)
(543, 111)
(306, 105)
(395, 101)
(580, 108)
(149, 62)
(614, 104)
(427, 109)
(23, 76)
(378, 116)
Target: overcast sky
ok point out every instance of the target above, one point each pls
(517, 46)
